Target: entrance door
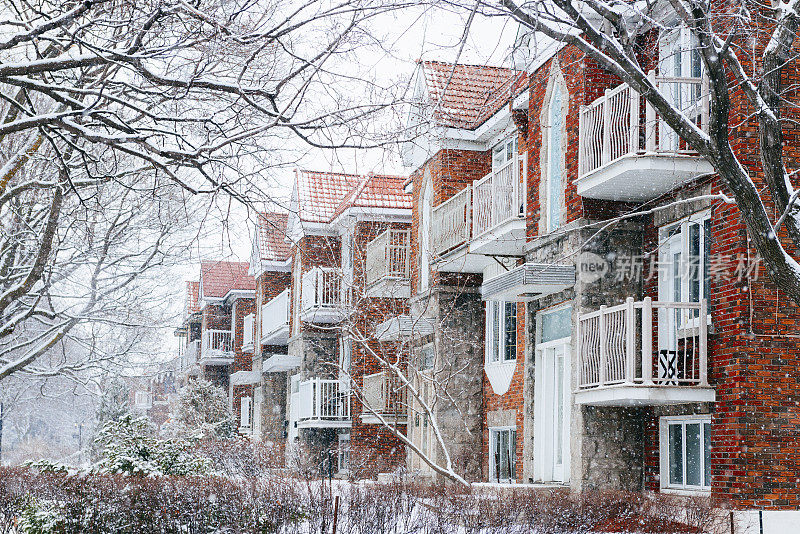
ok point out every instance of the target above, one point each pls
(551, 433)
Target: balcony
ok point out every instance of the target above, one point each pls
(386, 396)
(322, 404)
(217, 348)
(626, 150)
(275, 320)
(249, 332)
(322, 296)
(387, 270)
(484, 219)
(192, 355)
(644, 353)
(498, 211)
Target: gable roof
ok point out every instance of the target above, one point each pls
(272, 245)
(217, 278)
(323, 196)
(464, 96)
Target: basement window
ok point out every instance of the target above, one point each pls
(503, 454)
(686, 452)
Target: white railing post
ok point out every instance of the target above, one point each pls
(630, 341)
(634, 103)
(606, 154)
(316, 391)
(650, 119)
(703, 340)
(601, 328)
(582, 141)
(647, 341)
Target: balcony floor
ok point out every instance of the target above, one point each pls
(637, 178)
(371, 419)
(641, 395)
(505, 239)
(325, 423)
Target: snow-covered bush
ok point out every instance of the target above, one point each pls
(240, 457)
(201, 411)
(129, 446)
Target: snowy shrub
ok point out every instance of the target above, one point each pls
(240, 457)
(201, 411)
(129, 446)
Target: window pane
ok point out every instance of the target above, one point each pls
(694, 450)
(555, 187)
(707, 453)
(675, 454)
(513, 453)
(706, 257)
(496, 334)
(559, 426)
(694, 262)
(556, 324)
(503, 454)
(510, 345)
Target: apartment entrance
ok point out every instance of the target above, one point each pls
(552, 397)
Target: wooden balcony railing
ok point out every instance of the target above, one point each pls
(322, 400)
(451, 222)
(322, 288)
(384, 394)
(498, 197)
(275, 315)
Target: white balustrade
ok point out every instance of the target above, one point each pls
(451, 222)
(217, 341)
(275, 316)
(498, 197)
(322, 288)
(387, 256)
(384, 393)
(192, 354)
(249, 330)
(322, 400)
(646, 343)
(621, 123)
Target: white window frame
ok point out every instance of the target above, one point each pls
(493, 475)
(343, 454)
(554, 200)
(668, 241)
(246, 412)
(422, 359)
(507, 150)
(497, 315)
(664, 423)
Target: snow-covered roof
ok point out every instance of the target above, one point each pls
(218, 278)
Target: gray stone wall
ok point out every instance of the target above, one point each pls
(273, 410)
(612, 448)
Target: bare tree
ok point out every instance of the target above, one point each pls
(745, 48)
(115, 113)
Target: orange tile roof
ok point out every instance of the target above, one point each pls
(272, 243)
(464, 96)
(217, 278)
(192, 297)
(324, 196)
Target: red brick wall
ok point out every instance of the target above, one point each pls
(242, 361)
(269, 285)
(314, 251)
(373, 448)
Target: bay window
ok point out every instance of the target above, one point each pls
(501, 332)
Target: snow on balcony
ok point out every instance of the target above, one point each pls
(387, 271)
(322, 403)
(275, 320)
(322, 296)
(217, 348)
(627, 152)
(385, 395)
(498, 211)
(644, 353)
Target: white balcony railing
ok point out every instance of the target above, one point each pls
(621, 123)
(322, 296)
(451, 222)
(387, 256)
(498, 197)
(275, 319)
(217, 347)
(644, 343)
(249, 332)
(385, 395)
(322, 402)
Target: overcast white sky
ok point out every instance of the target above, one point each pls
(406, 36)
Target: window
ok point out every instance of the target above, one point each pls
(552, 156)
(244, 416)
(425, 234)
(503, 454)
(427, 357)
(343, 453)
(504, 152)
(686, 452)
(501, 331)
(142, 399)
(680, 67)
(684, 250)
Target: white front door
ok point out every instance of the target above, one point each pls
(552, 410)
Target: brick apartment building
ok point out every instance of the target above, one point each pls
(548, 284)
